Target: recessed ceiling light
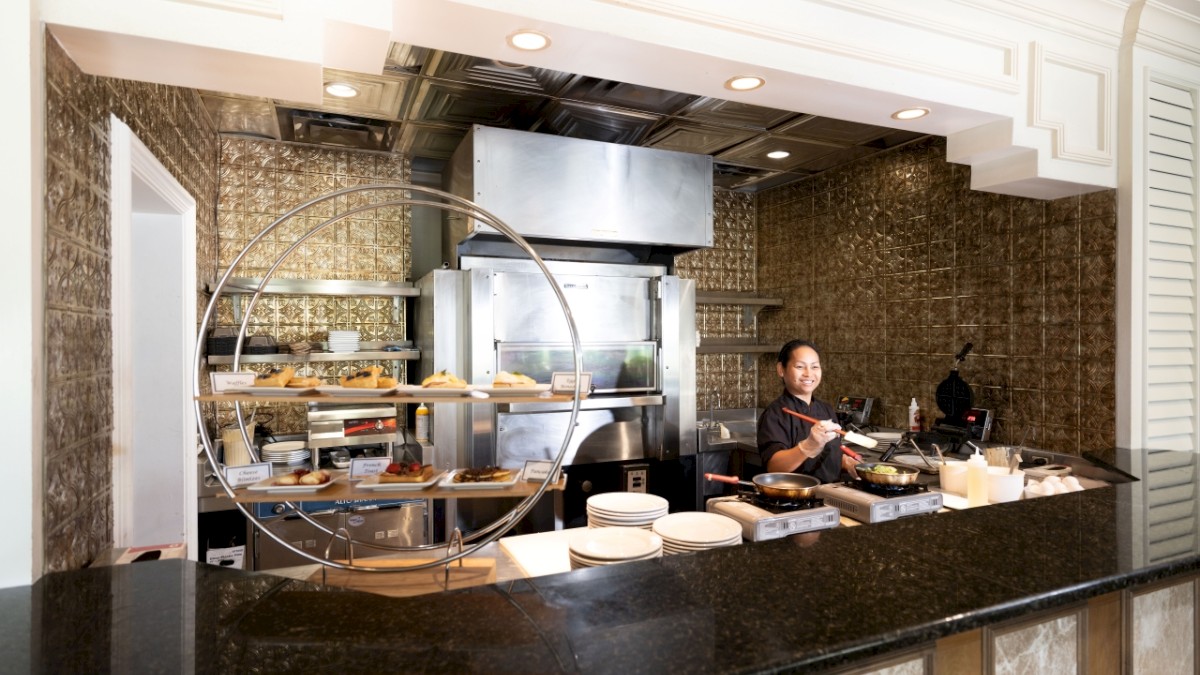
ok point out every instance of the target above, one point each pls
(528, 40)
(779, 154)
(744, 83)
(910, 113)
(341, 90)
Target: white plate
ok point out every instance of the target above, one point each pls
(449, 484)
(697, 527)
(273, 391)
(267, 486)
(655, 513)
(416, 390)
(338, 390)
(916, 462)
(614, 543)
(531, 390)
(600, 522)
(372, 483)
(283, 447)
(627, 503)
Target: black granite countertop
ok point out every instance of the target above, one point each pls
(810, 601)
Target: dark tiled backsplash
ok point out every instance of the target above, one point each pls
(891, 264)
(77, 460)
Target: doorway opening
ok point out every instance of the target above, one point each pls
(154, 338)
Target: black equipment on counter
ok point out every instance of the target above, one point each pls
(954, 394)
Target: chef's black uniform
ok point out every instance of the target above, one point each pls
(778, 430)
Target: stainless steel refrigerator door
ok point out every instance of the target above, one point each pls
(402, 525)
(269, 554)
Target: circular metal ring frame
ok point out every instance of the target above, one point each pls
(449, 202)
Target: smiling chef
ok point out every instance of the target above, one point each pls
(789, 444)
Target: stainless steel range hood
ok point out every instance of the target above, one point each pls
(573, 197)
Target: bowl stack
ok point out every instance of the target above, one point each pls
(689, 531)
(343, 341)
(598, 546)
(625, 509)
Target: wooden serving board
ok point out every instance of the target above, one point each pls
(325, 398)
(343, 489)
(473, 572)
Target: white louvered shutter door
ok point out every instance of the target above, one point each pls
(1172, 407)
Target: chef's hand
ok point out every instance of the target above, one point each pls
(821, 433)
(848, 464)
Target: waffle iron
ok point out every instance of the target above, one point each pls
(954, 394)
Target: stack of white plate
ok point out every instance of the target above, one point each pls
(689, 531)
(885, 436)
(285, 452)
(343, 340)
(598, 546)
(625, 509)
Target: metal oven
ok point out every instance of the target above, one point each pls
(637, 331)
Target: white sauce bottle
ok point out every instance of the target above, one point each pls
(977, 480)
(914, 416)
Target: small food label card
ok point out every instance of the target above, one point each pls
(222, 382)
(247, 474)
(536, 470)
(564, 383)
(368, 466)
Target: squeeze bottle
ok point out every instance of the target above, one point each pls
(977, 480)
(914, 416)
(422, 423)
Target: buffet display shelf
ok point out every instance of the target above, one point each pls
(413, 398)
(346, 490)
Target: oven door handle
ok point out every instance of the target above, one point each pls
(591, 403)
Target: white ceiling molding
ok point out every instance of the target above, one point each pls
(1167, 29)
(224, 46)
(272, 9)
(1073, 100)
(378, 96)
(920, 45)
(855, 60)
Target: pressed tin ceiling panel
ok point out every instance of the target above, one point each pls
(424, 100)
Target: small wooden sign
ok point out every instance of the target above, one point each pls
(247, 474)
(221, 382)
(564, 383)
(536, 470)
(362, 467)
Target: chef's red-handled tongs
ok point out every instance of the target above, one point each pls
(850, 436)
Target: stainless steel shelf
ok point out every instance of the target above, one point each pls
(406, 355)
(243, 285)
(735, 298)
(747, 347)
(239, 285)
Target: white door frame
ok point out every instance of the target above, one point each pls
(134, 164)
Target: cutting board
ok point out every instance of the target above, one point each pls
(473, 572)
(541, 553)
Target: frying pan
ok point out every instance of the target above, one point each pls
(953, 394)
(904, 474)
(775, 485)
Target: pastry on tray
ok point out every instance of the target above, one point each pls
(367, 378)
(488, 474)
(507, 379)
(386, 382)
(275, 377)
(304, 477)
(444, 380)
(407, 473)
(303, 382)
